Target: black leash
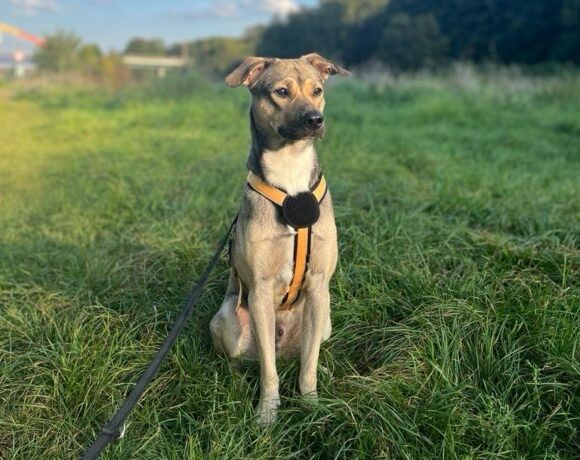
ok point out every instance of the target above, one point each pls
(114, 429)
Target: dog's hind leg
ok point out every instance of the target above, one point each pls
(230, 327)
(315, 328)
(231, 332)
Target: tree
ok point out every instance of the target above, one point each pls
(112, 72)
(431, 31)
(567, 46)
(89, 57)
(145, 46)
(321, 29)
(358, 10)
(218, 55)
(59, 53)
(410, 42)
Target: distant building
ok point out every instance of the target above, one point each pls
(16, 68)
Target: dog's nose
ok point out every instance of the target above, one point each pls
(313, 120)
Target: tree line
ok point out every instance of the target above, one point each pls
(400, 34)
(411, 34)
(65, 52)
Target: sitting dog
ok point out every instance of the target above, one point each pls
(284, 248)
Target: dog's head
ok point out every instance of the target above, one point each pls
(287, 94)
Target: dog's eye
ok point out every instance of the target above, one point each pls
(317, 91)
(282, 92)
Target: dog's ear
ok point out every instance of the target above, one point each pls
(325, 66)
(248, 71)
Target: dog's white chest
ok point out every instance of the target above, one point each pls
(288, 169)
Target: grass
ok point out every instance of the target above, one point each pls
(455, 302)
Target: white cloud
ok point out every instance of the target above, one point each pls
(237, 8)
(33, 7)
(280, 7)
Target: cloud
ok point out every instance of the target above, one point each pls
(239, 8)
(33, 7)
(280, 7)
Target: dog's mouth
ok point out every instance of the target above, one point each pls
(295, 134)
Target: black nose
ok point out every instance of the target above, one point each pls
(313, 120)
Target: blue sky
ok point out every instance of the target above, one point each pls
(110, 23)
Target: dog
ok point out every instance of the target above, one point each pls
(286, 117)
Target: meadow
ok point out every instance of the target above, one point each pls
(455, 303)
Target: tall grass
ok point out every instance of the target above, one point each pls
(455, 304)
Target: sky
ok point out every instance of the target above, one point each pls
(111, 23)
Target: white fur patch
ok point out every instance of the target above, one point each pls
(288, 168)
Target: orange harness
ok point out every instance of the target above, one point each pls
(302, 238)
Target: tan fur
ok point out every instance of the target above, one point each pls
(263, 245)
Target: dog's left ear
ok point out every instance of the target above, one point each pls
(325, 66)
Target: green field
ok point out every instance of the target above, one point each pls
(455, 303)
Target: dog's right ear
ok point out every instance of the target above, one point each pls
(248, 71)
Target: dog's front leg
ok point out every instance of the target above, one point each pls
(263, 320)
(315, 320)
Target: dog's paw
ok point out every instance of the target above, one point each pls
(310, 398)
(267, 411)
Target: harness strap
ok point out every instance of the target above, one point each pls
(302, 239)
(266, 190)
(301, 256)
(278, 196)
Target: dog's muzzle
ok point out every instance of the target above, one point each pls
(309, 125)
(294, 133)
